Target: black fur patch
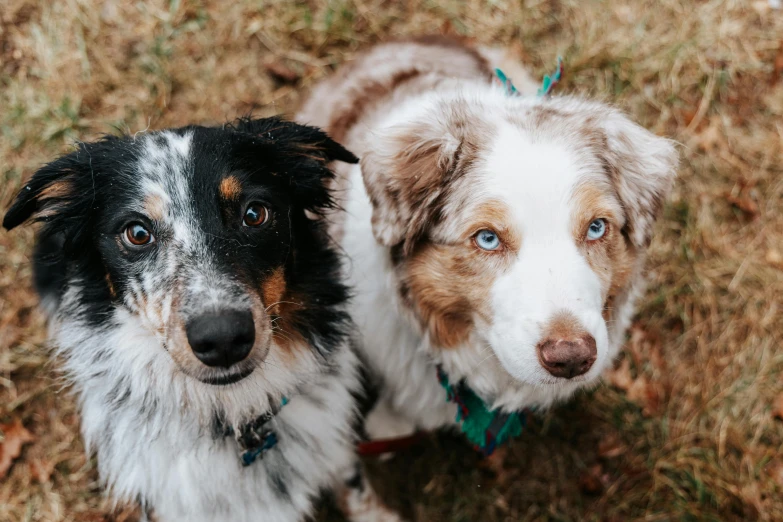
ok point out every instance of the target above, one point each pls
(87, 197)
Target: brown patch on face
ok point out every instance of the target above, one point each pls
(284, 330)
(445, 287)
(612, 258)
(563, 325)
(272, 290)
(154, 207)
(110, 284)
(496, 216)
(281, 307)
(230, 188)
(448, 285)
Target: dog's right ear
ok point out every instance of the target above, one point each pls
(50, 190)
(408, 170)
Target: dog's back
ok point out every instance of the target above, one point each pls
(385, 74)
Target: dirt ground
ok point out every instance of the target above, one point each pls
(686, 428)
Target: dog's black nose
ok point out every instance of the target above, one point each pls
(222, 338)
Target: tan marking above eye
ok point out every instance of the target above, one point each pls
(230, 188)
(593, 200)
(495, 216)
(154, 207)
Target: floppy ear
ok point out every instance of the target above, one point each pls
(50, 190)
(642, 167)
(301, 152)
(408, 173)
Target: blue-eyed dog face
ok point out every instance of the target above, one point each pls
(198, 234)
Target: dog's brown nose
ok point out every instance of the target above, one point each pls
(567, 357)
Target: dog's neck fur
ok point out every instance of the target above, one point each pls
(154, 434)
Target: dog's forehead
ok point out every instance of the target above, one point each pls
(165, 167)
(534, 175)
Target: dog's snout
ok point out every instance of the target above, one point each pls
(222, 338)
(568, 357)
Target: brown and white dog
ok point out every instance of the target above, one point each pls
(502, 237)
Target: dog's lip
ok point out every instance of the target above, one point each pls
(232, 378)
(551, 380)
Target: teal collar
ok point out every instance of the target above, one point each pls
(484, 428)
(547, 84)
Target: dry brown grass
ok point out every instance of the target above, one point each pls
(687, 431)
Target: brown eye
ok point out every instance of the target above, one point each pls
(137, 234)
(255, 215)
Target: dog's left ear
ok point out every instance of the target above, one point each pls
(50, 191)
(642, 167)
(301, 152)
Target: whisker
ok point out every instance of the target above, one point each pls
(282, 302)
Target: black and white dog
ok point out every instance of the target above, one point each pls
(199, 313)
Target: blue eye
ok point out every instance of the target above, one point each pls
(596, 230)
(487, 240)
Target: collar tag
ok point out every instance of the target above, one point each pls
(256, 437)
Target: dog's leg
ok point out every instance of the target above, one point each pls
(359, 502)
(385, 423)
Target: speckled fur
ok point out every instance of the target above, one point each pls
(435, 150)
(150, 411)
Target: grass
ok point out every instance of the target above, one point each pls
(686, 429)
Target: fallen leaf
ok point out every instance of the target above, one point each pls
(501, 504)
(687, 116)
(495, 465)
(777, 407)
(645, 394)
(711, 136)
(281, 72)
(611, 446)
(41, 470)
(777, 65)
(775, 470)
(592, 480)
(620, 377)
(637, 392)
(14, 437)
(745, 203)
(774, 258)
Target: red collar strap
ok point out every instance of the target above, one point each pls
(380, 446)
